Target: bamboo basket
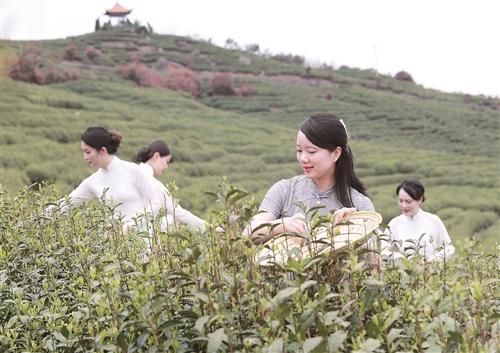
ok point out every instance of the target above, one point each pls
(353, 231)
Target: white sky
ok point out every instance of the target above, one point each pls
(450, 45)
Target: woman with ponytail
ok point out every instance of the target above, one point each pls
(329, 181)
(120, 184)
(155, 159)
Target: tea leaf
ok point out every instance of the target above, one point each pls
(215, 340)
(311, 343)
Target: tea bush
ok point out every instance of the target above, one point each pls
(40, 174)
(77, 283)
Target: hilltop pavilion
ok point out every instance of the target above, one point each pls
(118, 11)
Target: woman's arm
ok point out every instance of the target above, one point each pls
(264, 226)
(446, 251)
(444, 247)
(180, 214)
(390, 243)
(82, 193)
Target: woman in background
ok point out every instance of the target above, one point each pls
(329, 180)
(119, 184)
(415, 226)
(155, 159)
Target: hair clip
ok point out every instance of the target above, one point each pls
(345, 128)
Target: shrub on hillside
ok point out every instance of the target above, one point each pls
(289, 58)
(161, 63)
(8, 139)
(69, 52)
(65, 104)
(231, 44)
(140, 74)
(25, 68)
(177, 78)
(245, 90)
(92, 53)
(61, 135)
(404, 76)
(244, 60)
(136, 57)
(307, 72)
(491, 103)
(221, 85)
(330, 72)
(253, 48)
(38, 174)
(32, 67)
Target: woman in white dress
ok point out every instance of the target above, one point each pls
(155, 159)
(416, 229)
(120, 184)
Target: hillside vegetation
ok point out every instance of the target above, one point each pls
(398, 129)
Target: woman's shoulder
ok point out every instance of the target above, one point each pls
(99, 173)
(146, 168)
(92, 180)
(431, 216)
(299, 182)
(284, 186)
(290, 182)
(127, 164)
(131, 168)
(396, 220)
(361, 202)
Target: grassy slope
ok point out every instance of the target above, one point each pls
(399, 130)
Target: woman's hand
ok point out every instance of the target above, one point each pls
(294, 224)
(341, 214)
(265, 226)
(220, 230)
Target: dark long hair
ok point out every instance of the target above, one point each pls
(98, 137)
(414, 188)
(327, 131)
(147, 152)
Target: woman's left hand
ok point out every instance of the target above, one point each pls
(341, 214)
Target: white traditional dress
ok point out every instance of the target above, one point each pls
(175, 213)
(425, 230)
(122, 185)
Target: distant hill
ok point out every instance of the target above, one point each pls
(235, 113)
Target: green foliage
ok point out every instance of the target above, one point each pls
(79, 283)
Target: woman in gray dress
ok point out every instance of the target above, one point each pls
(329, 181)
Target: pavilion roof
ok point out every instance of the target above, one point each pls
(118, 10)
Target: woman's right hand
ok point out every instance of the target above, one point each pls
(294, 224)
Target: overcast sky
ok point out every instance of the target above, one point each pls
(450, 45)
